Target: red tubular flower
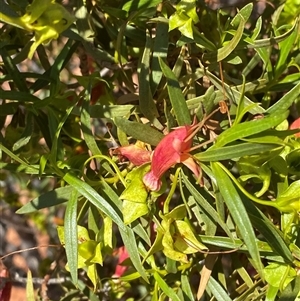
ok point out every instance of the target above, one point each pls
(173, 148)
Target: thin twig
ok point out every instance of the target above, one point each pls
(40, 281)
(29, 249)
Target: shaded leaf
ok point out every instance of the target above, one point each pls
(48, 199)
(176, 97)
(139, 131)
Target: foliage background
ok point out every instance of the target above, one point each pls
(157, 63)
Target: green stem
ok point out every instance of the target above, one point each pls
(172, 190)
(245, 192)
(112, 163)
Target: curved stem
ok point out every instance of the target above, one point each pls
(112, 163)
(245, 192)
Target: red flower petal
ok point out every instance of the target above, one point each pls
(296, 125)
(172, 149)
(120, 269)
(152, 181)
(134, 154)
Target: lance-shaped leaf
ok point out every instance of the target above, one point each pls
(249, 128)
(226, 50)
(176, 97)
(238, 213)
(93, 197)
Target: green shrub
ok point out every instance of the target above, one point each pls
(212, 210)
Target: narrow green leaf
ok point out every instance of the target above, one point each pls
(271, 234)
(271, 41)
(238, 213)
(243, 14)
(88, 136)
(285, 48)
(58, 65)
(285, 101)
(8, 108)
(99, 54)
(19, 96)
(234, 94)
(165, 288)
(257, 29)
(91, 195)
(233, 151)
(13, 71)
(132, 5)
(14, 157)
(223, 52)
(146, 102)
(27, 133)
(201, 40)
(139, 131)
(160, 49)
(249, 128)
(61, 60)
(56, 152)
(130, 243)
(29, 287)
(136, 36)
(20, 168)
(86, 128)
(42, 122)
(205, 206)
(254, 61)
(71, 236)
(106, 111)
(217, 290)
(227, 243)
(186, 287)
(177, 99)
(177, 69)
(48, 199)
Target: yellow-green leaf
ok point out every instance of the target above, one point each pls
(186, 241)
(135, 195)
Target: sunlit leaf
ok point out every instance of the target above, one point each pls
(239, 214)
(135, 195)
(92, 196)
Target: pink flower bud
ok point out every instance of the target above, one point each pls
(134, 153)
